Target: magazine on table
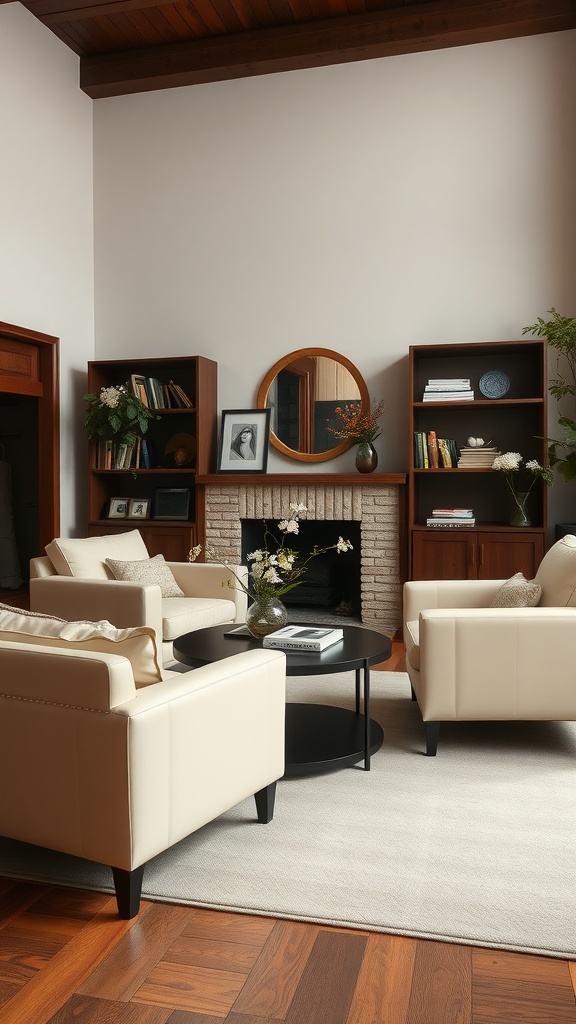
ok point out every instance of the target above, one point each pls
(303, 638)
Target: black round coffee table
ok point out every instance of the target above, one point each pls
(319, 737)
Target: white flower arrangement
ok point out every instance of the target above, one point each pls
(510, 463)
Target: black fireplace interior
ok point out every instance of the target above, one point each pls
(331, 581)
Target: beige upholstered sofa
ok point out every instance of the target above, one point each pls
(74, 581)
(103, 759)
(468, 660)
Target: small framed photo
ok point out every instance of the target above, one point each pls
(171, 503)
(118, 508)
(244, 440)
(139, 508)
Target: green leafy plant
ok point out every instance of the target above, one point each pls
(560, 332)
(116, 414)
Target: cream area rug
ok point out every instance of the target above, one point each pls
(476, 845)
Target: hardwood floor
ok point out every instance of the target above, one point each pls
(66, 958)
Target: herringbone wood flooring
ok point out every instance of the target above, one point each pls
(66, 958)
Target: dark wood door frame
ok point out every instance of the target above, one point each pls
(29, 364)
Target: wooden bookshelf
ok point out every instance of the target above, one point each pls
(514, 422)
(197, 376)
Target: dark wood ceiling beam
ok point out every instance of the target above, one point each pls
(333, 41)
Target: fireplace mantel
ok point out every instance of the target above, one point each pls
(375, 500)
(303, 479)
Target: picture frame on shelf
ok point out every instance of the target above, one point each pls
(118, 508)
(171, 503)
(139, 508)
(244, 438)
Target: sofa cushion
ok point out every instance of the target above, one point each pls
(146, 571)
(85, 557)
(183, 615)
(137, 643)
(557, 574)
(517, 592)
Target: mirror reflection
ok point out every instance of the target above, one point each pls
(303, 391)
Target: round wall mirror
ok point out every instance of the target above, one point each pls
(303, 390)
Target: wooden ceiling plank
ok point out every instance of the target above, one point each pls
(316, 44)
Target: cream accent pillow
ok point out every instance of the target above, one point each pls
(147, 570)
(84, 557)
(136, 643)
(517, 592)
(557, 574)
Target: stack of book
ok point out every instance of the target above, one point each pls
(303, 638)
(448, 389)
(451, 517)
(477, 458)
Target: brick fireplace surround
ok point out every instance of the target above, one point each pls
(375, 501)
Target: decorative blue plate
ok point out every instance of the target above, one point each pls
(494, 384)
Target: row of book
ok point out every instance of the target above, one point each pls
(447, 517)
(448, 389)
(117, 455)
(155, 395)
(433, 452)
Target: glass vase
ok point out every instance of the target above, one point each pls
(520, 515)
(264, 615)
(366, 457)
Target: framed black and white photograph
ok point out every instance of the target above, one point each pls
(118, 508)
(139, 508)
(171, 503)
(244, 440)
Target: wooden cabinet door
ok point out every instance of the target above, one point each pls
(500, 555)
(444, 555)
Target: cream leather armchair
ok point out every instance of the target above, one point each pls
(468, 661)
(73, 581)
(95, 768)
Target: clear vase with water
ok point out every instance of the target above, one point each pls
(264, 615)
(520, 515)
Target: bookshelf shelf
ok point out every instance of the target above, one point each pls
(517, 422)
(197, 377)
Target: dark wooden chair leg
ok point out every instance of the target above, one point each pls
(128, 886)
(432, 730)
(265, 803)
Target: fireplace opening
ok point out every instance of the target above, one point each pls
(331, 581)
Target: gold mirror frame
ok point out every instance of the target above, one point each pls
(302, 354)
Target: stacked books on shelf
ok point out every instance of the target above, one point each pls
(447, 517)
(116, 455)
(433, 452)
(303, 638)
(477, 458)
(155, 395)
(448, 389)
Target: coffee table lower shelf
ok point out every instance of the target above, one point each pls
(322, 738)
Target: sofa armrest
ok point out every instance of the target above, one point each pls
(422, 594)
(73, 679)
(497, 664)
(212, 579)
(120, 602)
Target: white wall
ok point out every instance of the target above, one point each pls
(364, 207)
(46, 218)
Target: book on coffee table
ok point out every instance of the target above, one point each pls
(303, 638)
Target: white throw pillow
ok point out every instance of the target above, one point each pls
(136, 643)
(557, 574)
(84, 557)
(517, 592)
(147, 570)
